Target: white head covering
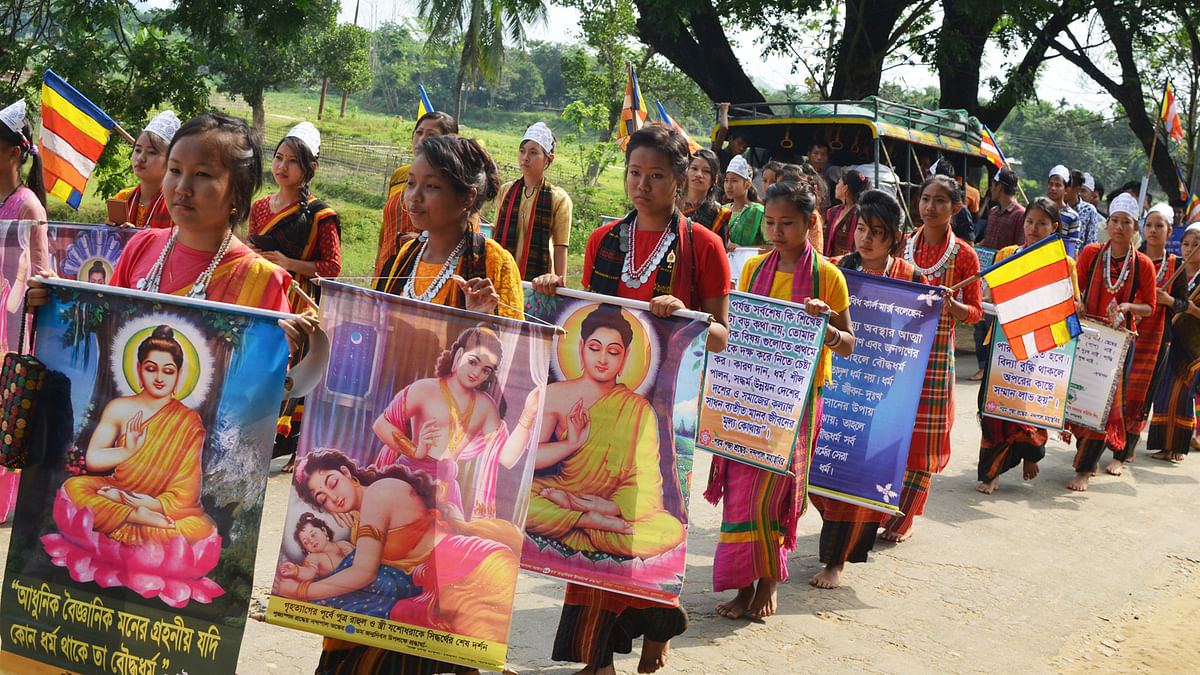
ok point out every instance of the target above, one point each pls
(1125, 203)
(308, 135)
(1194, 227)
(164, 125)
(1165, 210)
(13, 116)
(1089, 182)
(741, 167)
(1061, 171)
(540, 133)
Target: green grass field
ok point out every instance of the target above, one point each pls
(370, 145)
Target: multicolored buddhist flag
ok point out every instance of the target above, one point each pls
(74, 133)
(991, 149)
(693, 146)
(1193, 210)
(1183, 191)
(1035, 298)
(634, 113)
(423, 105)
(1169, 114)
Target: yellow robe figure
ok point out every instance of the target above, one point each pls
(167, 468)
(605, 467)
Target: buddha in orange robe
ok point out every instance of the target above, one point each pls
(152, 444)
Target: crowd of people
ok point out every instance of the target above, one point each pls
(805, 222)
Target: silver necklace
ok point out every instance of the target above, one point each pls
(1125, 268)
(443, 274)
(936, 270)
(1162, 270)
(633, 276)
(199, 288)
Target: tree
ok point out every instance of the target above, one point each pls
(255, 45)
(548, 56)
(481, 26)
(341, 57)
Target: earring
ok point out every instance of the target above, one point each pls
(354, 481)
(233, 211)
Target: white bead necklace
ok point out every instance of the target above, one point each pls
(887, 269)
(1125, 269)
(936, 269)
(199, 288)
(1162, 270)
(443, 274)
(634, 276)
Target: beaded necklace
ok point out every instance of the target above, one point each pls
(632, 275)
(1126, 267)
(443, 274)
(936, 269)
(199, 288)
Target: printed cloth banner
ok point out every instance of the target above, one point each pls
(1099, 359)
(136, 524)
(608, 505)
(871, 405)
(987, 256)
(412, 478)
(82, 252)
(1033, 391)
(755, 392)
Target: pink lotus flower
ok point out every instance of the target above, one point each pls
(175, 572)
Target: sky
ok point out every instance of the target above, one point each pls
(1058, 78)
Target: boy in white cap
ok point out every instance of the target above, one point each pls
(745, 225)
(533, 217)
(1090, 219)
(1056, 191)
(1118, 285)
(144, 205)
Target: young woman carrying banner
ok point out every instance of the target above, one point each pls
(1118, 289)
(943, 260)
(144, 202)
(847, 530)
(1153, 339)
(762, 508)
(1174, 421)
(533, 217)
(697, 201)
(23, 200)
(653, 254)
(396, 226)
(1004, 444)
(450, 264)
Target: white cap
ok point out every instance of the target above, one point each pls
(308, 135)
(1089, 182)
(741, 167)
(1125, 203)
(164, 125)
(540, 133)
(1061, 171)
(13, 116)
(1164, 209)
(1194, 227)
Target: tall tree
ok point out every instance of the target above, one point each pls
(341, 57)
(482, 26)
(255, 45)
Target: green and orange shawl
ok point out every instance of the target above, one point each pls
(534, 260)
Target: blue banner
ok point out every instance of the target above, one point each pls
(871, 404)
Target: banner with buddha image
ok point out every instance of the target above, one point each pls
(136, 523)
(609, 500)
(76, 251)
(412, 478)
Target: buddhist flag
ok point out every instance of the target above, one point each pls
(74, 133)
(1035, 298)
(1193, 210)
(1183, 191)
(634, 113)
(991, 149)
(1169, 114)
(693, 146)
(423, 105)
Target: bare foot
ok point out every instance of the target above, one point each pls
(1178, 457)
(735, 608)
(1161, 454)
(1030, 470)
(989, 487)
(1080, 482)
(290, 466)
(976, 377)
(592, 670)
(895, 537)
(654, 655)
(1115, 467)
(830, 577)
(765, 599)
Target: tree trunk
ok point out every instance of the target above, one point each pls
(1020, 81)
(258, 115)
(463, 63)
(865, 42)
(959, 52)
(345, 95)
(697, 46)
(324, 88)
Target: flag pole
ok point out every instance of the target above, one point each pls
(124, 133)
(1153, 146)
